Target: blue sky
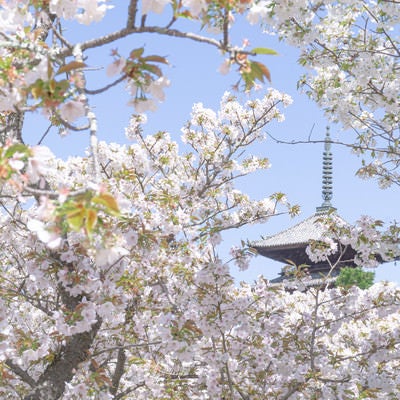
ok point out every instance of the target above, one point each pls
(296, 169)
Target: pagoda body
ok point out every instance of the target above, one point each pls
(289, 246)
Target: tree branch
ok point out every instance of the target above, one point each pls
(21, 373)
(118, 372)
(105, 88)
(348, 145)
(127, 391)
(114, 36)
(132, 10)
(51, 384)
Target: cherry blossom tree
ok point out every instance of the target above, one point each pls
(111, 283)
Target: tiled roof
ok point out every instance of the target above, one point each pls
(299, 234)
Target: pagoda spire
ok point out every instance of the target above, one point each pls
(327, 186)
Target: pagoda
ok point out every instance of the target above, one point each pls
(289, 246)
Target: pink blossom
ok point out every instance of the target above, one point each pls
(38, 72)
(135, 125)
(156, 88)
(143, 105)
(52, 239)
(156, 6)
(72, 110)
(107, 257)
(84, 11)
(116, 67)
(16, 163)
(38, 163)
(196, 7)
(93, 11)
(225, 67)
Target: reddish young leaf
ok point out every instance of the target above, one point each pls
(70, 67)
(155, 58)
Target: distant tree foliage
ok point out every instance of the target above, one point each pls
(350, 276)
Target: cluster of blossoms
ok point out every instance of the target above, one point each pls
(29, 65)
(33, 65)
(321, 250)
(352, 51)
(83, 11)
(123, 261)
(371, 244)
(195, 8)
(146, 298)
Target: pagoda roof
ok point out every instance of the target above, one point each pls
(297, 235)
(289, 246)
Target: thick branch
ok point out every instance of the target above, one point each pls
(51, 384)
(21, 373)
(118, 372)
(13, 128)
(51, 194)
(132, 10)
(112, 37)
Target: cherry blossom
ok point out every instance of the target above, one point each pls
(116, 67)
(38, 163)
(72, 110)
(156, 6)
(51, 239)
(351, 49)
(84, 11)
(225, 67)
(195, 7)
(156, 88)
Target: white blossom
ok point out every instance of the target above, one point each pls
(156, 6)
(196, 7)
(72, 110)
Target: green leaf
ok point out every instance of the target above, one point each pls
(248, 80)
(75, 221)
(108, 201)
(261, 68)
(184, 14)
(264, 50)
(256, 72)
(37, 89)
(90, 220)
(16, 148)
(52, 85)
(62, 86)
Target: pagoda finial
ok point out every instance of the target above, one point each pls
(327, 192)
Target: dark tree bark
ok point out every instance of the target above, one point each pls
(51, 385)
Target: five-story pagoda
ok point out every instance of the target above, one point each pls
(289, 246)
